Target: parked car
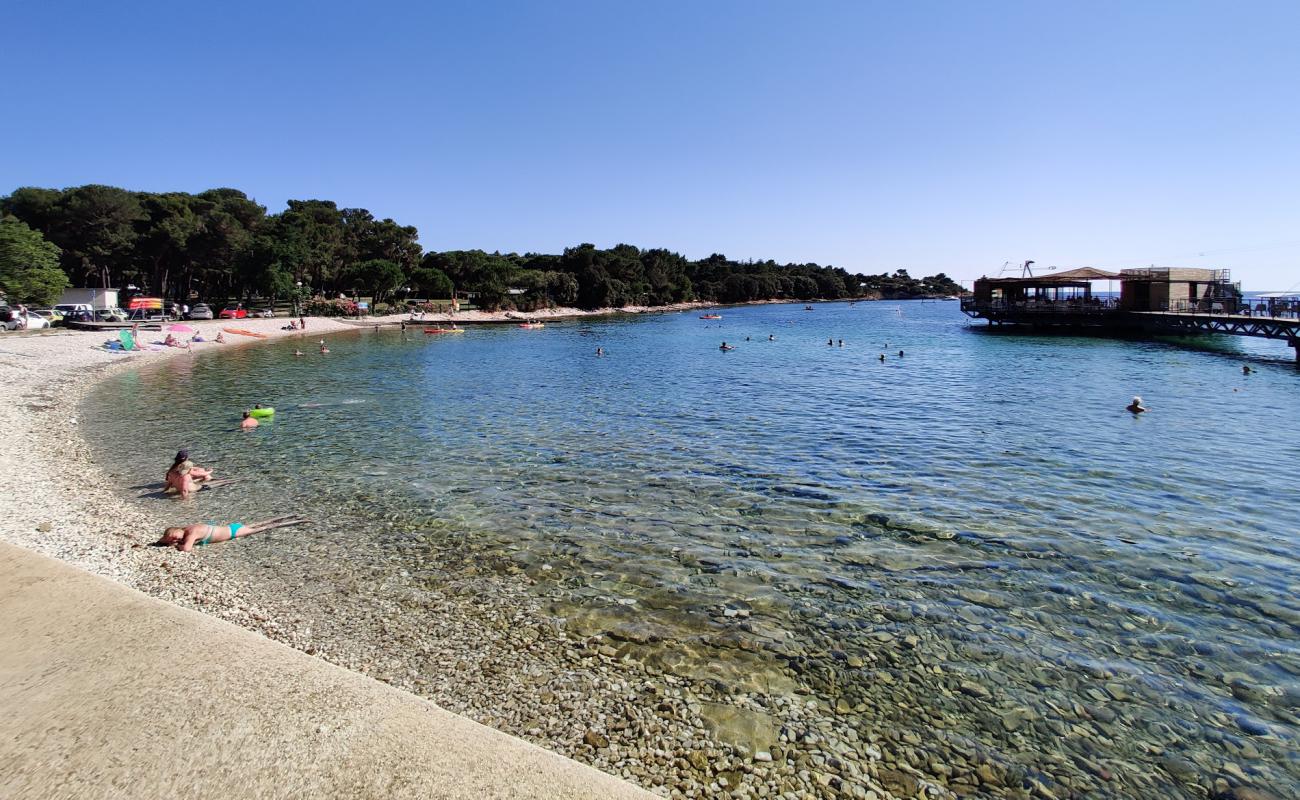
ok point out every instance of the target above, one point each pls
(75, 310)
(234, 312)
(110, 315)
(54, 316)
(11, 320)
(200, 311)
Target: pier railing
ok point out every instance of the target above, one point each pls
(1094, 305)
(1277, 308)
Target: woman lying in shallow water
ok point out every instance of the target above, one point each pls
(188, 537)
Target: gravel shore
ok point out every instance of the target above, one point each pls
(481, 643)
(874, 701)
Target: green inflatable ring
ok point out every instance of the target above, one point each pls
(261, 413)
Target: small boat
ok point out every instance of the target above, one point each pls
(710, 316)
(532, 325)
(444, 330)
(807, 308)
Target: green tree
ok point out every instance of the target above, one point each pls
(379, 275)
(95, 227)
(162, 245)
(29, 265)
(430, 283)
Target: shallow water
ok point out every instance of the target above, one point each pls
(972, 544)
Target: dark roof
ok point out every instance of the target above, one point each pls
(1080, 275)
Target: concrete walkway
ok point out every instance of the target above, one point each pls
(106, 692)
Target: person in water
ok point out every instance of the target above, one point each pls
(1246, 370)
(830, 342)
(185, 538)
(726, 346)
(900, 353)
(771, 338)
(182, 461)
(299, 353)
(600, 351)
(1136, 406)
(180, 482)
(841, 342)
(323, 349)
(249, 421)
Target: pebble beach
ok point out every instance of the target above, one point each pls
(496, 657)
(839, 691)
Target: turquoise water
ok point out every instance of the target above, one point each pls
(973, 543)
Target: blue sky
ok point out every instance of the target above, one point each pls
(933, 136)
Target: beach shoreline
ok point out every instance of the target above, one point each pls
(498, 658)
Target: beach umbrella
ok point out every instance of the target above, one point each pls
(180, 328)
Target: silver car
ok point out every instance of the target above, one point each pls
(200, 311)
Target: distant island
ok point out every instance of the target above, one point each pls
(220, 246)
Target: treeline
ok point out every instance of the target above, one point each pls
(220, 245)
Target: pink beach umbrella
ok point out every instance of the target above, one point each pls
(180, 328)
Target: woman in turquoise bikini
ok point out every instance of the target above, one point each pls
(188, 537)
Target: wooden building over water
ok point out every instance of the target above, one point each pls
(1150, 301)
(1173, 289)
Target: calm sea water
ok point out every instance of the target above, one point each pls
(980, 514)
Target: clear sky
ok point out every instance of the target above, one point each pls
(933, 136)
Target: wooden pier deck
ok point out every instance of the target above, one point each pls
(1111, 320)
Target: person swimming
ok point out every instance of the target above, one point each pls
(900, 353)
(830, 342)
(600, 351)
(725, 347)
(882, 358)
(771, 338)
(249, 422)
(323, 349)
(299, 353)
(1136, 406)
(1246, 370)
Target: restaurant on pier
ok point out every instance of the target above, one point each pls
(1154, 300)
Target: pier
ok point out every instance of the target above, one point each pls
(1151, 302)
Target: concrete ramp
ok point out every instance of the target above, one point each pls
(106, 692)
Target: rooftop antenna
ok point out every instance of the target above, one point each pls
(1025, 271)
